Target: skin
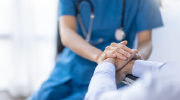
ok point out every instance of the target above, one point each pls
(75, 42)
(144, 50)
(122, 67)
(118, 62)
(127, 69)
(115, 50)
(144, 44)
(83, 48)
(118, 50)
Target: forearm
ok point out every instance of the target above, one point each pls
(137, 68)
(70, 38)
(78, 45)
(145, 49)
(144, 44)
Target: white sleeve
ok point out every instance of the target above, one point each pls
(139, 90)
(141, 66)
(153, 85)
(160, 85)
(102, 81)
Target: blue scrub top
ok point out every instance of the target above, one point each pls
(139, 15)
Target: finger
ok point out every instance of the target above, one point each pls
(108, 48)
(118, 51)
(121, 51)
(135, 50)
(136, 56)
(108, 54)
(120, 56)
(124, 42)
(125, 48)
(102, 57)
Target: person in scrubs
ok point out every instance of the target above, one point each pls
(70, 77)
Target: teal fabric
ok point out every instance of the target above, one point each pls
(139, 15)
(67, 91)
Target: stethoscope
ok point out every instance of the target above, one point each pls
(119, 33)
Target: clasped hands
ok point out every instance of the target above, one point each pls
(122, 57)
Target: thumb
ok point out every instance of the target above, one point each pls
(124, 42)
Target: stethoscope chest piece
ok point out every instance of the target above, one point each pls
(119, 34)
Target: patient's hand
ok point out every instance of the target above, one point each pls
(127, 69)
(124, 67)
(121, 63)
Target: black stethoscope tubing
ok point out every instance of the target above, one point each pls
(88, 35)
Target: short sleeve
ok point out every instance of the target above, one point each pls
(67, 7)
(148, 16)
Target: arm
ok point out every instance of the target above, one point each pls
(144, 44)
(103, 82)
(150, 87)
(137, 68)
(103, 79)
(148, 18)
(75, 42)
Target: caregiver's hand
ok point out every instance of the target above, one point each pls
(138, 56)
(121, 63)
(110, 60)
(116, 50)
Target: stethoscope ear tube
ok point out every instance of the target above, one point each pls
(81, 25)
(87, 35)
(79, 1)
(119, 33)
(90, 27)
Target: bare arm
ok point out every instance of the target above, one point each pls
(144, 44)
(75, 42)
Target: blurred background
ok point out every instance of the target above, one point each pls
(28, 43)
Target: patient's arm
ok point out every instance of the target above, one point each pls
(104, 81)
(137, 68)
(152, 86)
(122, 67)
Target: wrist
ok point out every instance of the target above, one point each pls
(108, 60)
(128, 68)
(97, 56)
